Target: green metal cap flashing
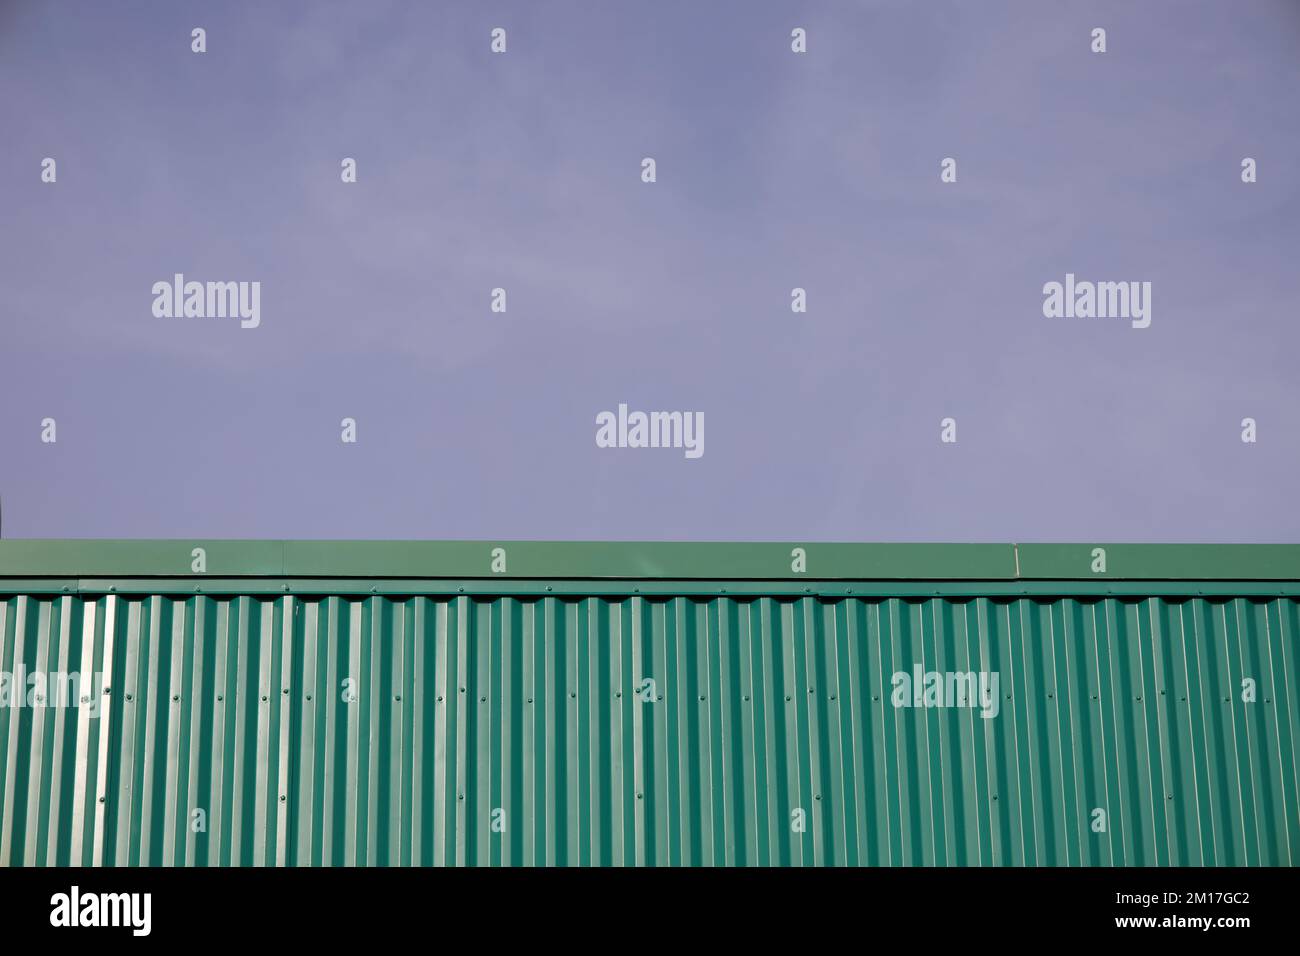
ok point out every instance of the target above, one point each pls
(557, 560)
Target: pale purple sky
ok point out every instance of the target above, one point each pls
(775, 170)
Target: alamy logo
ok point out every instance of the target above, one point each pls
(39, 689)
(1101, 300)
(947, 689)
(208, 300)
(651, 430)
(103, 909)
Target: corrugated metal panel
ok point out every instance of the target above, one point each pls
(529, 713)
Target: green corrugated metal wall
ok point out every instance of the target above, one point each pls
(761, 706)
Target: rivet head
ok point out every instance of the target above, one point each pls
(283, 798)
(618, 693)
(995, 796)
(460, 796)
(746, 697)
(397, 697)
(462, 690)
(220, 698)
(176, 697)
(373, 590)
(439, 698)
(787, 696)
(482, 700)
(573, 693)
(530, 700)
(286, 691)
(309, 696)
(107, 691)
(639, 796)
(701, 697)
(264, 698)
(661, 696)
(101, 799)
(284, 587)
(461, 590)
(549, 588)
(128, 696)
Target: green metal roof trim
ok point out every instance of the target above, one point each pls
(669, 561)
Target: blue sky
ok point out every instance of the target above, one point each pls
(775, 170)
